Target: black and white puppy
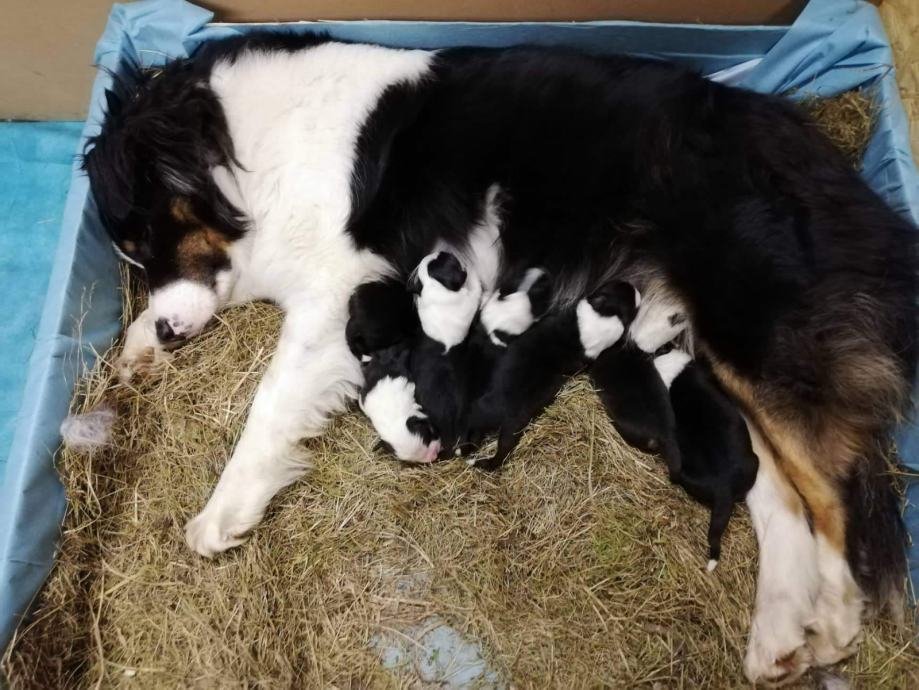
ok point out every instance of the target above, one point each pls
(447, 300)
(388, 400)
(529, 375)
(718, 465)
(630, 387)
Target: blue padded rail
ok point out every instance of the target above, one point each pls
(834, 46)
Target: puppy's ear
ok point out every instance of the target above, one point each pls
(539, 294)
(616, 298)
(383, 448)
(447, 270)
(421, 426)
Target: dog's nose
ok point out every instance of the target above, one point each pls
(165, 333)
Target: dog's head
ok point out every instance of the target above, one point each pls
(151, 173)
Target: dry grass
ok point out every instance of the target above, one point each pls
(578, 566)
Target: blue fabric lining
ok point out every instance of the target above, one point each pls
(835, 45)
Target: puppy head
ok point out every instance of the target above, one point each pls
(447, 270)
(446, 298)
(506, 315)
(150, 171)
(388, 400)
(380, 315)
(604, 316)
(616, 298)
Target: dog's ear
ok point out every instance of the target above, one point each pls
(447, 270)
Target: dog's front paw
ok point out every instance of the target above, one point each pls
(142, 353)
(143, 363)
(211, 533)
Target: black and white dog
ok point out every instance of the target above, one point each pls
(294, 168)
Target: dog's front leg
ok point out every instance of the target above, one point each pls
(311, 377)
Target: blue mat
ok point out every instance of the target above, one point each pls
(834, 46)
(36, 160)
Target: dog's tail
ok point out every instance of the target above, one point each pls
(876, 537)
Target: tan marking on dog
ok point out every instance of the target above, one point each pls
(182, 211)
(128, 247)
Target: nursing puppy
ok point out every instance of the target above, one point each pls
(630, 388)
(380, 314)
(446, 299)
(388, 400)
(529, 375)
(718, 465)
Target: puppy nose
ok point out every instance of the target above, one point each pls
(164, 332)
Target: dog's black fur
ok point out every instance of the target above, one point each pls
(799, 281)
(529, 375)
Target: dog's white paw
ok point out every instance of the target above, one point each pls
(142, 353)
(211, 533)
(777, 652)
(142, 363)
(835, 631)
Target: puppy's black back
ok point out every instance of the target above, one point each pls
(380, 314)
(718, 463)
(637, 402)
(713, 437)
(526, 379)
(441, 386)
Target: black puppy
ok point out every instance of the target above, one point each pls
(718, 465)
(529, 375)
(630, 387)
(380, 314)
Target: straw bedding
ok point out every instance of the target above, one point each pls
(577, 566)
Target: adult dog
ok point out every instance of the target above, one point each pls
(294, 168)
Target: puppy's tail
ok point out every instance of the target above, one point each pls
(876, 538)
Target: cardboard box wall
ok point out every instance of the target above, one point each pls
(46, 46)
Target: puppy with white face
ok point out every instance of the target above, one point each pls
(388, 400)
(446, 298)
(508, 315)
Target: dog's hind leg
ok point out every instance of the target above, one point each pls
(788, 580)
(311, 377)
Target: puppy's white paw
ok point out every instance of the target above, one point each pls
(777, 652)
(211, 533)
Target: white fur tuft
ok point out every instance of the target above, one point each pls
(711, 565)
(89, 431)
(653, 326)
